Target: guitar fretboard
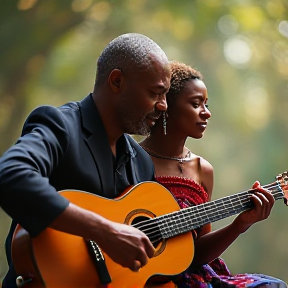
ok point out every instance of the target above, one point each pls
(190, 218)
(187, 219)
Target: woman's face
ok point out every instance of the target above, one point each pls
(189, 114)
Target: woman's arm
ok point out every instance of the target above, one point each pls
(211, 244)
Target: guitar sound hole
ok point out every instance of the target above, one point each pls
(149, 227)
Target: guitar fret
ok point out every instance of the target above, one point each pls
(193, 217)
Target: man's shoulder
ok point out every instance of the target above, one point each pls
(46, 110)
(70, 106)
(53, 118)
(70, 110)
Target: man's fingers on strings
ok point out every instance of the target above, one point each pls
(143, 259)
(150, 250)
(137, 266)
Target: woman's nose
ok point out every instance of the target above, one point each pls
(206, 113)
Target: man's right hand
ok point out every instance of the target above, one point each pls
(125, 245)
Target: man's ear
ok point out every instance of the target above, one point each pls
(115, 80)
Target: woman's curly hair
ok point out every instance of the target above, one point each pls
(181, 73)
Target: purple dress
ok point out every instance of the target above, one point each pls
(214, 274)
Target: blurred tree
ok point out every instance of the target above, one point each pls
(29, 30)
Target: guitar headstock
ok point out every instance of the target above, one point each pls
(282, 180)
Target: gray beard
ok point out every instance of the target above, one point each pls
(132, 122)
(133, 127)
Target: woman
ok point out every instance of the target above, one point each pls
(190, 178)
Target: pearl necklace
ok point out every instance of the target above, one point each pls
(186, 158)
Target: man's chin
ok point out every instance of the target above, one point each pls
(143, 131)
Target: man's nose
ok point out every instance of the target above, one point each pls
(162, 104)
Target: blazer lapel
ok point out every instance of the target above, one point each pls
(133, 162)
(97, 140)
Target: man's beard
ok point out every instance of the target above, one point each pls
(132, 121)
(132, 124)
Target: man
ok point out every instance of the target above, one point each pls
(82, 146)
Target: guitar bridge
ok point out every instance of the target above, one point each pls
(99, 262)
(20, 282)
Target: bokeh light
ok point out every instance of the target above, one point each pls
(237, 51)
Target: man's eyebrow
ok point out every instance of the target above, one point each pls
(161, 87)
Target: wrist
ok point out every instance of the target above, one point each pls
(239, 226)
(98, 227)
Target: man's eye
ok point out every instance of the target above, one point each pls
(156, 94)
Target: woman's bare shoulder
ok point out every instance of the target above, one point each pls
(207, 175)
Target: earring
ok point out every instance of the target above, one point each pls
(164, 122)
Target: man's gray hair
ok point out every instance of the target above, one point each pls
(127, 52)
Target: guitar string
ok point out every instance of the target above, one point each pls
(155, 236)
(244, 196)
(170, 228)
(188, 222)
(200, 213)
(159, 236)
(241, 195)
(186, 226)
(198, 207)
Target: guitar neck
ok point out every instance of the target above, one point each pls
(187, 219)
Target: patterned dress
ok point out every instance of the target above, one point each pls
(214, 274)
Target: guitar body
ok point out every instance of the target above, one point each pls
(55, 259)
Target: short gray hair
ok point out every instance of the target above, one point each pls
(126, 52)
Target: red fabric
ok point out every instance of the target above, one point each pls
(186, 191)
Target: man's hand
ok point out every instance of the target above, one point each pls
(125, 245)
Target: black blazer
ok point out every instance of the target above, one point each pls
(61, 148)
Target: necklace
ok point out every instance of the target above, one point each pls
(186, 158)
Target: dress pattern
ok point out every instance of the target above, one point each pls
(216, 273)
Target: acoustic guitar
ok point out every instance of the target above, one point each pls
(55, 259)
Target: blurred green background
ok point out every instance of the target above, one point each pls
(48, 53)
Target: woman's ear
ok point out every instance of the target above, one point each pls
(115, 80)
